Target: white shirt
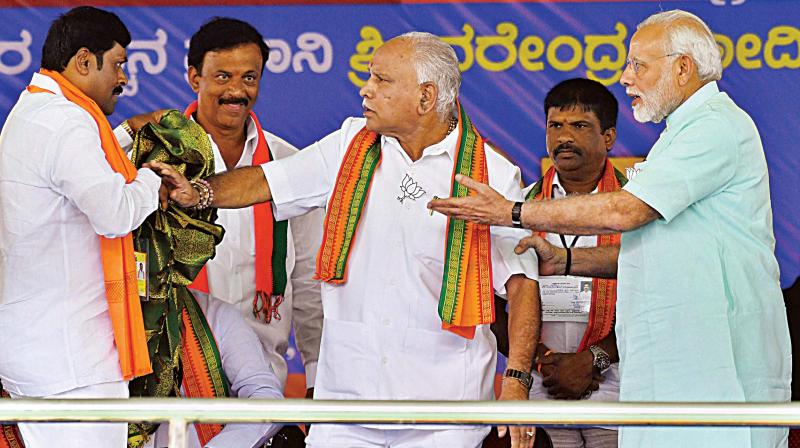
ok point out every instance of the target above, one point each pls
(57, 194)
(249, 375)
(382, 336)
(232, 273)
(565, 337)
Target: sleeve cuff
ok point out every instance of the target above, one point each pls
(641, 193)
(124, 139)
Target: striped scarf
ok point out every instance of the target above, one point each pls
(466, 297)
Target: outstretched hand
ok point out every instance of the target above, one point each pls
(521, 436)
(174, 186)
(486, 206)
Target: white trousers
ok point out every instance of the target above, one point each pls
(355, 436)
(79, 435)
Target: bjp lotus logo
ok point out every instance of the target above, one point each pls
(725, 2)
(410, 189)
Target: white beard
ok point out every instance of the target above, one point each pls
(657, 105)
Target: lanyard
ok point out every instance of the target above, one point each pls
(564, 240)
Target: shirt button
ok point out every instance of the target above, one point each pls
(386, 322)
(384, 360)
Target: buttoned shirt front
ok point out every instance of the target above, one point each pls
(232, 275)
(700, 315)
(382, 336)
(566, 336)
(57, 195)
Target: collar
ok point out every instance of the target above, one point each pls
(697, 99)
(250, 141)
(46, 82)
(446, 145)
(559, 191)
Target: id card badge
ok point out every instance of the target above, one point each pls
(142, 279)
(565, 298)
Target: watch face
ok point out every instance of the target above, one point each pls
(601, 359)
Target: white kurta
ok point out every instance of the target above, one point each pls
(564, 336)
(382, 336)
(57, 194)
(232, 274)
(249, 375)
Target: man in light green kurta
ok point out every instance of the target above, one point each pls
(700, 315)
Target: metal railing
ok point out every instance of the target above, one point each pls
(180, 412)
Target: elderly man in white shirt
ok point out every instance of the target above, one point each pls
(69, 200)
(383, 337)
(226, 60)
(248, 372)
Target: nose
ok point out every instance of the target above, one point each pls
(122, 78)
(366, 90)
(564, 135)
(627, 76)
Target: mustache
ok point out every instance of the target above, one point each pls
(117, 90)
(234, 100)
(567, 147)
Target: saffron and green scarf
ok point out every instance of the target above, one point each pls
(466, 297)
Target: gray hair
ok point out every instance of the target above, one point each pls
(435, 61)
(690, 36)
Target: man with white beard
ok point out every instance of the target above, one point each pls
(700, 315)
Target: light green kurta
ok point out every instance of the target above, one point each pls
(700, 315)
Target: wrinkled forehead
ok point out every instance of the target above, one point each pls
(395, 56)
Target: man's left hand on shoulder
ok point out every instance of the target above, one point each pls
(572, 377)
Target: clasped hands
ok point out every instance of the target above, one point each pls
(569, 376)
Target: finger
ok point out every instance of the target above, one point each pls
(594, 386)
(501, 431)
(517, 437)
(163, 196)
(469, 182)
(524, 244)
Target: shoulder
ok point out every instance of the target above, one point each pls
(54, 112)
(279, 147)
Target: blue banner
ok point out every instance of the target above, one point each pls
(511, 54)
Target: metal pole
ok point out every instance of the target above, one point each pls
(177, 433)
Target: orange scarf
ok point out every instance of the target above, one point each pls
(604, 291)
(119, 266)
(270, 260)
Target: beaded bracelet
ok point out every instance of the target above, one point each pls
(205, 191)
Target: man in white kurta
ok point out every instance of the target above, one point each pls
(248, 372)
(58, 195)
(226, 60)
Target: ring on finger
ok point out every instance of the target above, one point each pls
(529, 433)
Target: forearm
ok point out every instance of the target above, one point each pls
(240, 188)
(594, 214)
(524, 321)
(598, 262)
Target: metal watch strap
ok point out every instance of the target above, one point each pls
(600, 358)
(523, 377)
(516, 215)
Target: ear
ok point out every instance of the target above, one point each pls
(610, 137)
(428, 96)
(194, 79)
(84, 61)
(686, 69)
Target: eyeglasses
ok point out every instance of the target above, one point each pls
(639, 65)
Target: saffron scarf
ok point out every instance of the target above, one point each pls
(604, 291)
(270, 242)
(119, 266)
(466, 298)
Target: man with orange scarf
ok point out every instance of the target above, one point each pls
(577, 356)
(408, 296)
(70, 319)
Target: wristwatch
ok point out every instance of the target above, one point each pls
(523, 377)
(600, 358)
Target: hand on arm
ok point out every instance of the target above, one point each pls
(593, 214)
(586, 262)
(523, 328)
(137, 122)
